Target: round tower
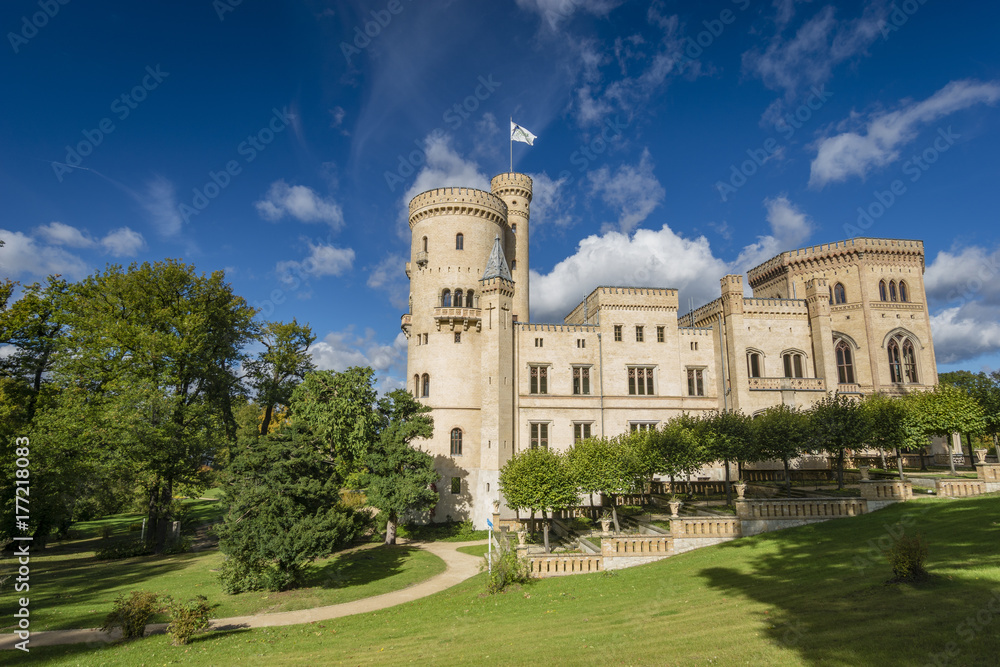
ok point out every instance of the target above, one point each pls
(452, 232)
(515, 191)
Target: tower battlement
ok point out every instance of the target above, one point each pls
(512, 184)
(458, 201)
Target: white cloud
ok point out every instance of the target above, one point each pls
(323, 260)
(551, 202)
(339, 350)
(160, 202)
(556, 11)
(123, 242)
(855, 154)
(962, 275)
(790, 228)
(959, 336)
(445, 168)
(656, 258)
(632, 190)
(388, 276)
(58, 233)
(22, 255)
(299, 202)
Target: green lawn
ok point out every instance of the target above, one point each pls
(816, 595)
(71, 589)
(475, 549)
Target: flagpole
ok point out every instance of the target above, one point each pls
(512, 147)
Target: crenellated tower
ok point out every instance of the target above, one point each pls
(515, 191)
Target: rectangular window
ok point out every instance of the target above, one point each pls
(640, 381)
(660, 335)
(696, 384)
(581, 380)
(456, 485)
(641, 426)
(618, 333)
(581, 431)
(638, 335)
(581, 342)
(539, 435)
(458, 336)
(539, 379)
(539, 342)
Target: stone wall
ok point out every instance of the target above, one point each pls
(557, 565)
(882, 492)
(959, 488)
(989, 475)
(760, 516)
(700, 532)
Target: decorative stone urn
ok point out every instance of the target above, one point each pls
(605, 525)
(741, 490)
(522, 537)
(675, 507)
(496, 506)
(981, 455)
(864, 472)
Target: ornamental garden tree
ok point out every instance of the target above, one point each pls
(838, 423)
(538, 480)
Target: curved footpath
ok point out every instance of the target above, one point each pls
(458, 568)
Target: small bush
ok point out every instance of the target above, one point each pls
(239, 577)
(906, 556)
(508, 569)
(466, 529)
(187, 618)
(131, 613)
(120, 549)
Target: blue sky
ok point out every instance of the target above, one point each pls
(677, 142)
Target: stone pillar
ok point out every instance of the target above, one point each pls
(824, 356)
(736, 362)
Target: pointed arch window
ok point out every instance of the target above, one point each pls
(904, 293)
(755, 364)
(892, 290)
(458, 298)
(909, 362)
(845, 363)
(446, 299)
(416, 386)
(459, 242)
(902, 360)
(456, 442)
(425, 391)
(839, 293)
(883, 294)
(469, 302)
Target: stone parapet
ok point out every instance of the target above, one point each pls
(558, 565)
(989, 475)
(637, 545)
(886, 489)
(959, 488)
(811, 509)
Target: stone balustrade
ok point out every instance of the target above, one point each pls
(959, 488)
(705, 527)
(558, 565)
(800, 508)
(640, 545)
(881, 492)
(989, 475)
(700, 488)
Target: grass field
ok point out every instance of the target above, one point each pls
(816, 595)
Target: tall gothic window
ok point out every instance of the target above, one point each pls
(902, 360)
(446, 299)
(892, 290)
(696, 382)
(456, 442)
(416, 386)
(640, 381)
(754, 364)
(839, 293)
(845, 363)
(539, 379)
(458, 298)
(539, 435)
(904, 293)
(792, 362)
(459, 242)
(883, 294)
(581, 380)
(426, 389)
(909, 362)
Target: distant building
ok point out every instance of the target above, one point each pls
(849, 317)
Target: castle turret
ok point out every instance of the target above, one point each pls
(515, 191)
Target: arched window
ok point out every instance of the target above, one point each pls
(839, 293)
(416, 386)
(446, 299)
(754, 364)
(895, 364)
(892, 290)
(909, 362)
(469, 300)
(426, 389)
(425, 244)
(793, 364)
(458, 298)
(845, 363)
(904, 294)
(882, 294)
(459, 242)
(831, 296)
(456, 442)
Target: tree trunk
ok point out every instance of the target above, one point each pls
(153, 512)
(899, 463)
(729, 492)
(532, 524)
(614, 515)
(545, 532)
(163, 519)
(788, 477)
(739, 471)
(881, 455)
(972, 455)
(840, 470)
(951, 453)
(266, 422)
(390, 529)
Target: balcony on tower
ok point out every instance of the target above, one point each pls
(454, 318)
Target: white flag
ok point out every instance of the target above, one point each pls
(518, 133)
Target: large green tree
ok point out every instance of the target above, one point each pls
(782, 433)
(890, 426)
(277, 369)
(838, 423)
(611, 466)
(538, 480)
(151, 354)
(399, 477)
(946, 410)
(728, 436)
(985, 389)
(681, 451)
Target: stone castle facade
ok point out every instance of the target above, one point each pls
(849, 317)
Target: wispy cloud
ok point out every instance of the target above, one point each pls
(633, 190)
(160, 202)
(387, 275)
(790, 228)
(855, 153)
(322, 260)
(58, 233)
(339, 350)
(123, 242)
(299, 202)
(22, 255)
(555, 12)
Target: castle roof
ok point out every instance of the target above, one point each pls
(496, 267)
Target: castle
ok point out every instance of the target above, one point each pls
(849, 317)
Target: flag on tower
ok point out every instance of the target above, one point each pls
(518, 133)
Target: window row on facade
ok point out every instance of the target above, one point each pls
(459, 298)
(891, 291)
(640, 333)
(641, 380)
(422, 385)
(791, 364)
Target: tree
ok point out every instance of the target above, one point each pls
(149, 356)
(727, 436)
(399, 477)
(838, 423)
(610, 466)
(280, 366)
(282, 511)
(985, 389)
(946, 410)
(781, 433)
(537, 480)
(890, 426)
(338, 410)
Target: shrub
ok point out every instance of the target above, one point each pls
(120, 549)
(466, 529)
(508, 568)
(131, 613)
(906, 556)
(238, 576)
(187, 618)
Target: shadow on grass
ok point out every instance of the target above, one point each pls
(358, 568)
(829, 600)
